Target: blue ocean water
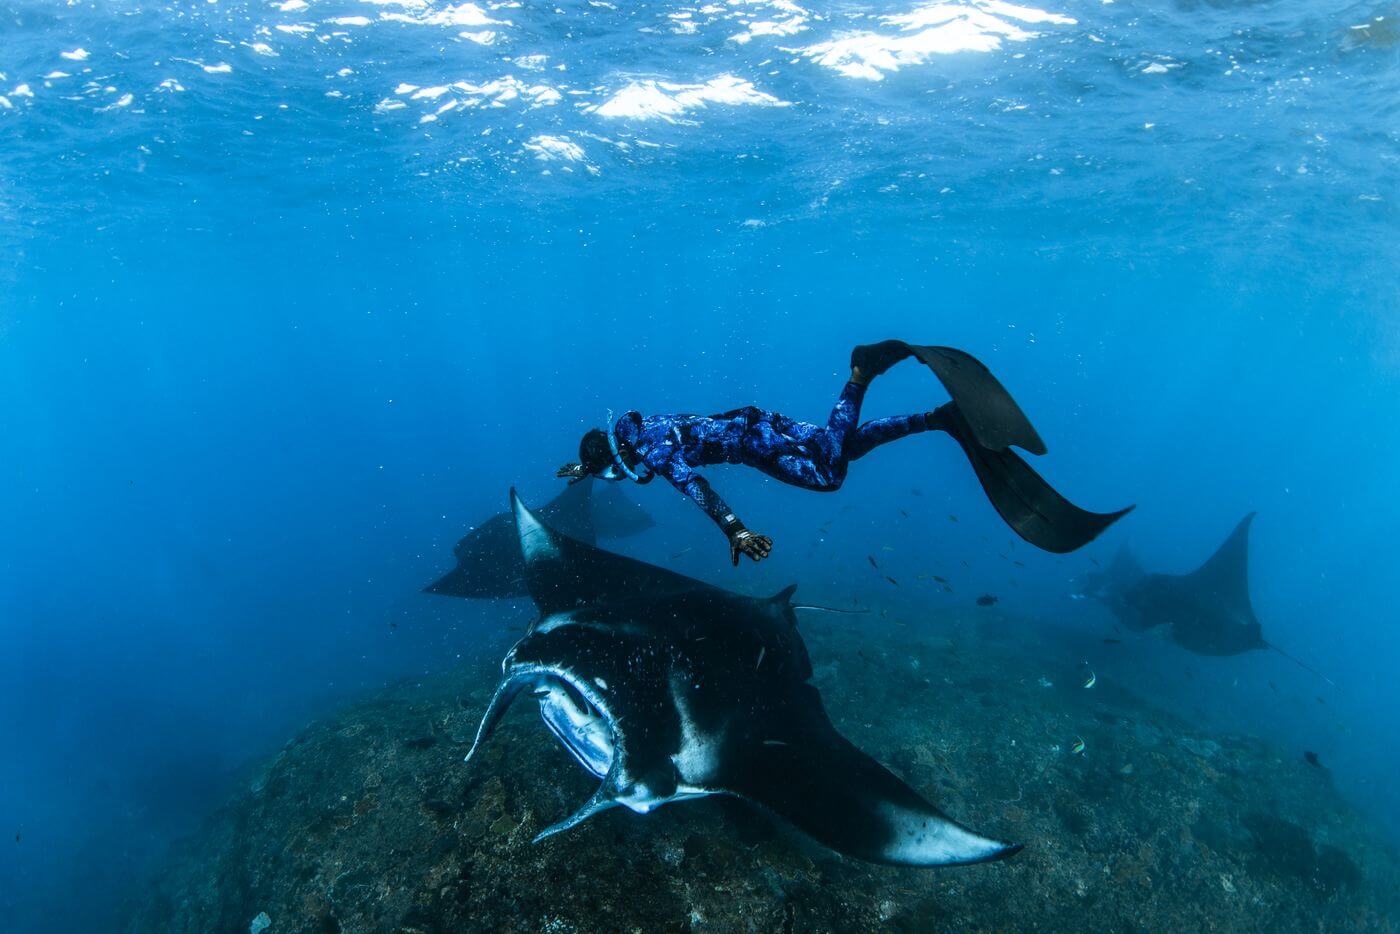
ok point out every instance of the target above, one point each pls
(292, 293)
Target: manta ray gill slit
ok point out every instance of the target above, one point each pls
(580, 726)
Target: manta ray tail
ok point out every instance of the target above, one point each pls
(784, 599)
(1032, 507)
(1300, 664)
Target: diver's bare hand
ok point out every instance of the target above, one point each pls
(749, 543)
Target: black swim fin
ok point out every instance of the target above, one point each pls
(996, 421)
(1025, 501)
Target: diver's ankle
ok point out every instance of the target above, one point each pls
(941, 418)
(859, 378)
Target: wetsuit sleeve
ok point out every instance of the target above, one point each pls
(696, 487)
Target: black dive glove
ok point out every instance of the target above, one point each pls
(742, 541)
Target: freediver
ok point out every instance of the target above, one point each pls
(982, 417)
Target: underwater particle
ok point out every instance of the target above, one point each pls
(1227, 884)
(1127, 769)
(987, 600)
(1311, 758)
(1078, 747)
(1091, 681)
(1046, 682)
(259, 924)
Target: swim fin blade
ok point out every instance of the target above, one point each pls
(1027, 503)
(994, 418)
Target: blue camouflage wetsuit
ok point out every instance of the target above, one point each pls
(799, 453)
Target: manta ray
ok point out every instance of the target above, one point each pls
(1207, 611)
(488, 557)
(666, 688)
(1110, 585)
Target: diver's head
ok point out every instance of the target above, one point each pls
(595, 452)
(595, 455)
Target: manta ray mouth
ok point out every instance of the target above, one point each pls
(580, 727)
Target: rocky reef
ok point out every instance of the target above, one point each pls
(1131, 821)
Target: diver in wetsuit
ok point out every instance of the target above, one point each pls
(982, 417)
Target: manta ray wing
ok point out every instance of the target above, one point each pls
(563, 573)
(488, 557)
(810, 775)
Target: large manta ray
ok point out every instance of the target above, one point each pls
(1207, 611)
(666, 688)
(488, 557)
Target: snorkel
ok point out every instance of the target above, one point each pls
(620, 463)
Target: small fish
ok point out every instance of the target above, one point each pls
(952, 518)
(1273, 687)
(947, 589)
(1018, 564)
(941, 580)
(871, 559)
(1095, 563)
(1312, 759)
(891, 580)
(1113, 642)
(688, 547)
(1078, 747)
(393, 625)
(986, 600)
(1001, 556)
(886, 548)
(904, 514)
(916, 492)
(761, 650)
(1092, 680)
(16, 837)
(1126, 770)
